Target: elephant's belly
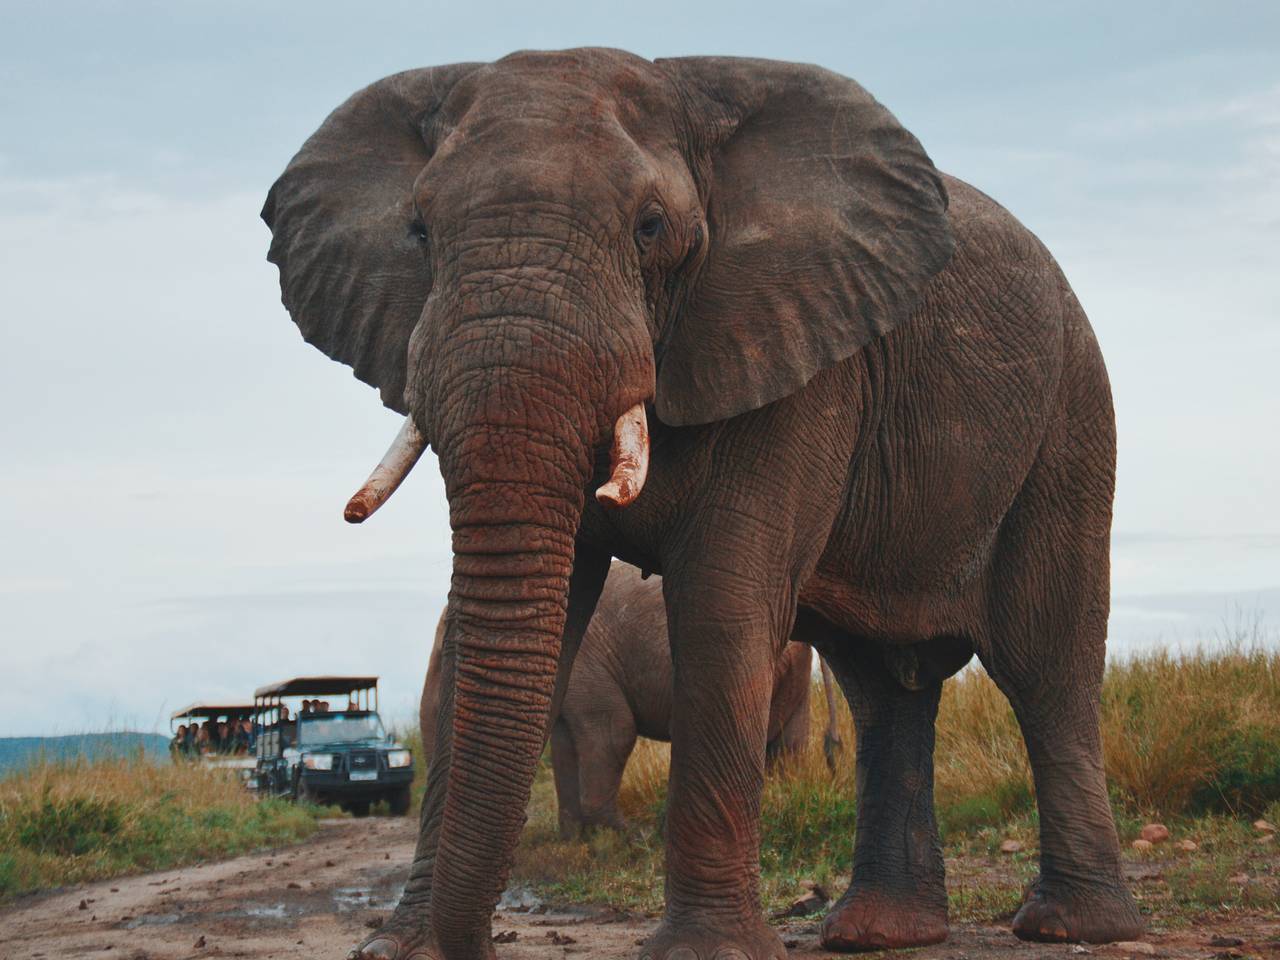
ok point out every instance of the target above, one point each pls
(891, 616)
(908, 559)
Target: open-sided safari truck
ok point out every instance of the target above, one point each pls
(215, 734)
(339, 752)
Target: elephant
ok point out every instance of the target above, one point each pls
(620, 688)
(723, 319)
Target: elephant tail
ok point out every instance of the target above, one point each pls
(832, 745)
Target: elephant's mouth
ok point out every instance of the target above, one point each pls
(628, 458)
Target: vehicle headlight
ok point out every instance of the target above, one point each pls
(318, 761)
(399, 758)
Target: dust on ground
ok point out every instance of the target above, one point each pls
(319, 898)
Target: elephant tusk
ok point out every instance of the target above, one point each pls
(628, 460)
(405, 450)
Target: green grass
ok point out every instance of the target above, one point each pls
(1191, 740)
(63, 823)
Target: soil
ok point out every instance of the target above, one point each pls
(319, 898)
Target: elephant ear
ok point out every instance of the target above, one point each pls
(352, 275)
(826, 221)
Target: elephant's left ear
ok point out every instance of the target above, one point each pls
(826, 221)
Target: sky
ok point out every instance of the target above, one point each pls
(174, 460)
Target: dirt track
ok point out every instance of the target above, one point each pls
(317, 899)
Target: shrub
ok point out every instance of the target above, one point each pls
(83, 820)
(70, 826)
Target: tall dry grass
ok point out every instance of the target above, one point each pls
(68, 822)
(1183, 734)
(1194, 732)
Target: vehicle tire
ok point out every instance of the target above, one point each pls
(400, 800)
(358, 808)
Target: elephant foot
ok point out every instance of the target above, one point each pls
(743, 940)
(864, 919)
(1096, 914)
(399, 938)
(570, 827)
(582, 826)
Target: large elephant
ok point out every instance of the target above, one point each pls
(620, 689)
(874, 400)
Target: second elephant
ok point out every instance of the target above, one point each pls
(620, 689)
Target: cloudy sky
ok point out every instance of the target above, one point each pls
(173, 459)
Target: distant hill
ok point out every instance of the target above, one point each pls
(17, 752)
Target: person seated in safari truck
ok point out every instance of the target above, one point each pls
(344, 757)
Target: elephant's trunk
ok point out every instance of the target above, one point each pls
(429, 705)
(513, 547)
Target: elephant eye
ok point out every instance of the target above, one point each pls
(648, 230)
(418, 230)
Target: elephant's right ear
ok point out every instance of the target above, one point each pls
(352, 275)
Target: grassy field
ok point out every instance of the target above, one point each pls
(68, 822)
(1191, 740)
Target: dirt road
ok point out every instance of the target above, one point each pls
(317, 899)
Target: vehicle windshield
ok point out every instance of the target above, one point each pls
(340, 728)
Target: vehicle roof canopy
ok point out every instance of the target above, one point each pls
(210, 709)
(315, 686)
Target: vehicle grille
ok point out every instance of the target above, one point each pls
(363, 760)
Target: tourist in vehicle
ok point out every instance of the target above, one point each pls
(287, 731)
(178, 744)
(324, 706)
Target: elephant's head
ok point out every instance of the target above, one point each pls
(522, 254)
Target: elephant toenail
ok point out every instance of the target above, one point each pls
(383, 948)
(1052, 926)
(730, 953)
(683, 953)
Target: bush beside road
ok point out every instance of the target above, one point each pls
(70, 822)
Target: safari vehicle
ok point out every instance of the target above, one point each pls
(340, 755)
(233, 751)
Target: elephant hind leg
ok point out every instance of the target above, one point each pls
(1046, 652)
(897, 896)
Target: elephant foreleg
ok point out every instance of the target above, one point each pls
(604, 742)
(566, 766)
(794, 735)
(723, 644)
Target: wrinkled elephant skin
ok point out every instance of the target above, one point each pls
(620, 689)
(868, 398)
